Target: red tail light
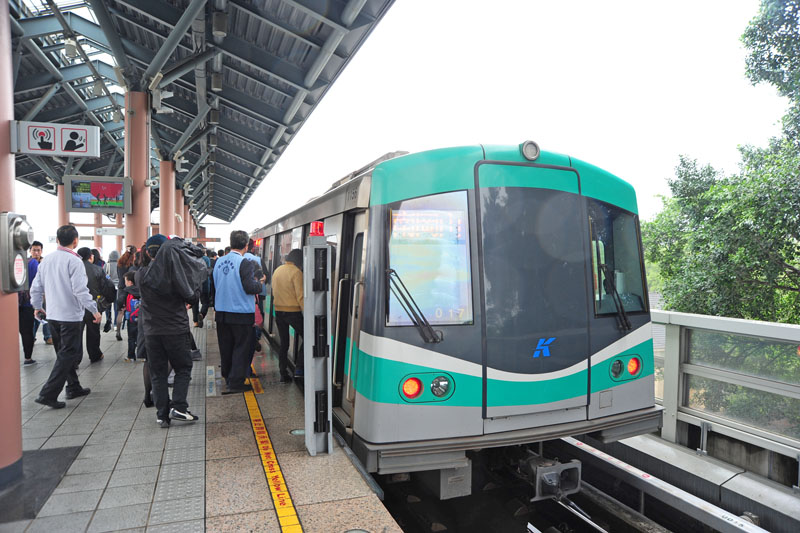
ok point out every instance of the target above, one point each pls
(412, 388)
(634, 365)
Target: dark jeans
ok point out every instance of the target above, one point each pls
(26, 330)
(235, 350)
(133, 330)
(92, 337)
(162, 351)
(69, 352)
(196, 312)
(284, 320)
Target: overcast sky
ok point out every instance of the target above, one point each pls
(627, 86)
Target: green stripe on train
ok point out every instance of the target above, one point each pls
(468, 390)
(451, 169)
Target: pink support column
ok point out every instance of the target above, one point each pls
(63, 216)
(98, 239)
(178, 211)
(166, 198)
(137, 166)
(187, 222)
(118, 224)
(11, 411)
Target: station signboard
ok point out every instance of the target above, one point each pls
(50, 138)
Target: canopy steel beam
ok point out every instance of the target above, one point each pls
(32, 112)
(112, 36)
(183, 139)
(175, 36)
(186, 66)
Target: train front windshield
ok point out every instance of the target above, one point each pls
(616, 258)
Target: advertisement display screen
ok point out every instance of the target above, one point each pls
(429, 250)
(92, 194)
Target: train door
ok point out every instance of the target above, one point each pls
(350, 304)
(534, 295)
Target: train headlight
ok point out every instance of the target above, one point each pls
(440, 386)
(412, 387)
(530, 150)
(616, 368)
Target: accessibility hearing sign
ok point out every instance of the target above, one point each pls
(50, 138)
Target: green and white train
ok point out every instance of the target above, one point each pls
(484, 296)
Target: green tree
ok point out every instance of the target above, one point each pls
(730, 246)
(773, 41)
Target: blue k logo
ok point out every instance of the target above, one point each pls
(543, 347)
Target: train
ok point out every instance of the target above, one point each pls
(482, 297)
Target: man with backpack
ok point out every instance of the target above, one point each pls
(128, 300)
(103, 293)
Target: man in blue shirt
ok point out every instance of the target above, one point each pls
(62, 277)
(236, 282)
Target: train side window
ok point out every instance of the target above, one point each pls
(429, 250)
(615, 251)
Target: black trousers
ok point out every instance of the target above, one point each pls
(235, 351)
(26, 321)
(162, 351)
(133, 331)
(92, 337)
(69, 352)
(196, 312)
(284, 320)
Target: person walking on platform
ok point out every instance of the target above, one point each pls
(104, 293)
(36, 255)
(27, 328)
(111, 271)
(287, 293)
(62, 278)
(168, 287)
(236, 282)
(128, 299)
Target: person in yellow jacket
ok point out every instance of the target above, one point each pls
(287, 295)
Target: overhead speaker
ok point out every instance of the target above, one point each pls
(70, 47)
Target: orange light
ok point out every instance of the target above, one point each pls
(412, 388)
(634, 365)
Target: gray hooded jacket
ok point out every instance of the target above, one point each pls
(111, 267)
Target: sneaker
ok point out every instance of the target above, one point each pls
(163, 423)
(237, 390)
(49, 341)
(185, 416)
(128, 359)
(71, 395)
(30, 361)
(55, 404)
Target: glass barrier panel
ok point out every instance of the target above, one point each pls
(753, 356)
(764, 410)
(659, 336)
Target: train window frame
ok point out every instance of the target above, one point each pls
(469, 263)
(595, 273)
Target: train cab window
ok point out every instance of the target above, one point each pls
(429, 251)
(616, 258)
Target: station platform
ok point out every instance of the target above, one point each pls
(103, 464)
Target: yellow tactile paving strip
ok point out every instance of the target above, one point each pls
(255, 382)
(284, 507)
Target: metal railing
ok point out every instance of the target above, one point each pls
(739, 378)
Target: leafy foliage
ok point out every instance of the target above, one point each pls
(730, 246)
(772, 39)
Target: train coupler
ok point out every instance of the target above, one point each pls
(550, 478)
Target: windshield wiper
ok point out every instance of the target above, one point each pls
(411, 308)
(611, 288)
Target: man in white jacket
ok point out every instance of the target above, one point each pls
(62, 277)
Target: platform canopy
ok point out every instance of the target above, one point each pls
(231, 82)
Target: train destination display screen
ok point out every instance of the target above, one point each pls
(429, 250)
